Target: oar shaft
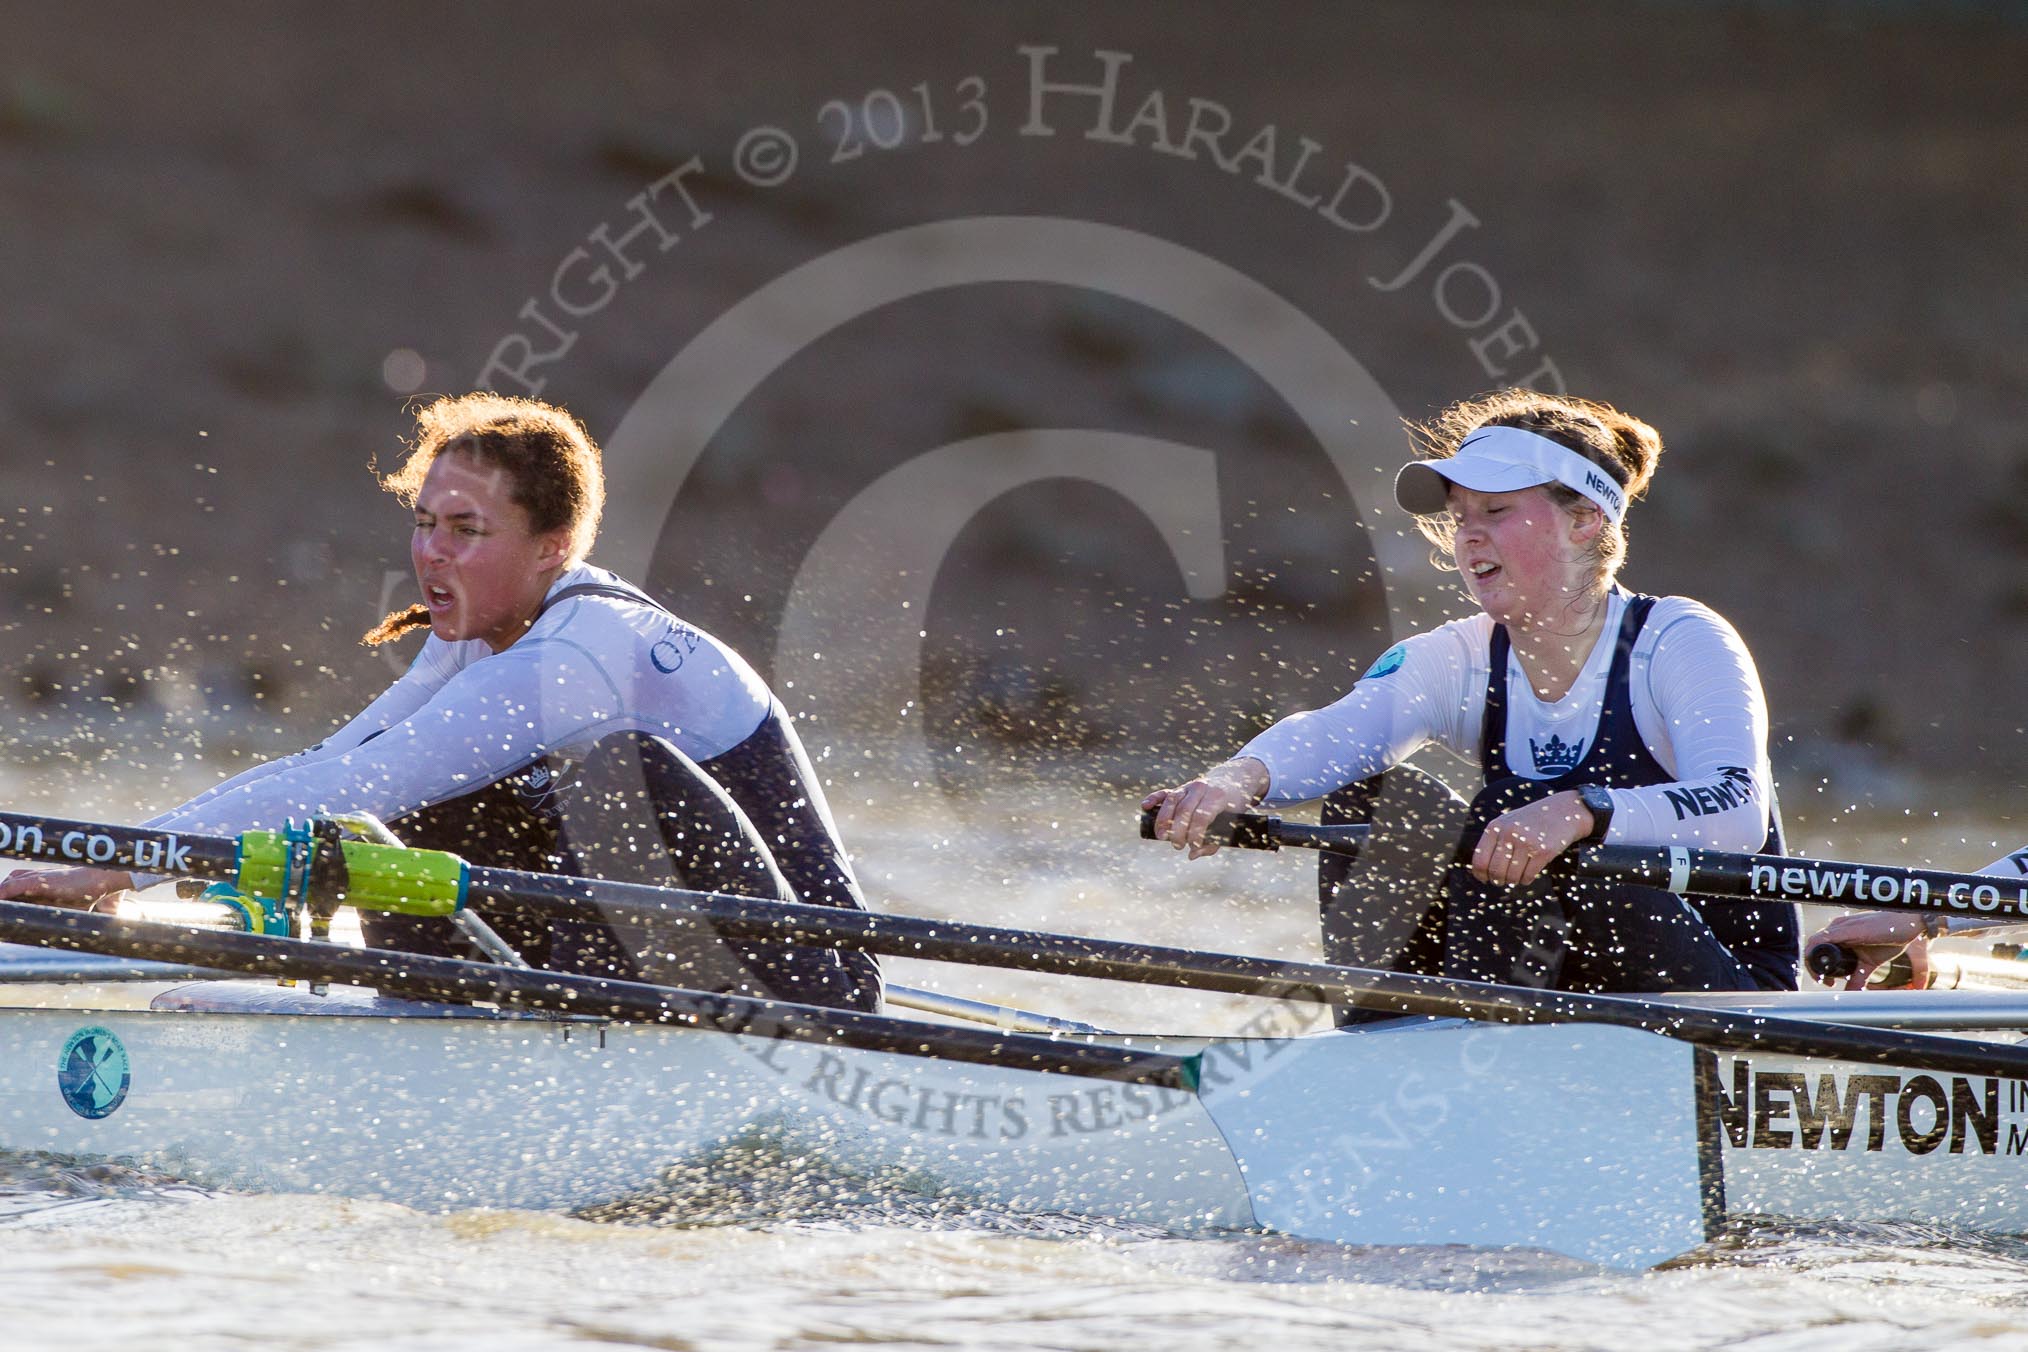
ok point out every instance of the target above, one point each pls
(1111, 960)
(1824, 882)
(132, 849)
(430, 978)
(979, 1011)
(905, 936)
(1690, 871)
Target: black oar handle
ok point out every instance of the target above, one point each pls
(1830, 962)
(1240, 830)
(1256, 831)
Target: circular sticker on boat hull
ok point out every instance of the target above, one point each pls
(93, 1072)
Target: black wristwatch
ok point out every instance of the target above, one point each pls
(1599, 802)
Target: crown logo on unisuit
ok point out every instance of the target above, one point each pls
(1556, 754)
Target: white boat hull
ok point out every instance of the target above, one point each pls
(1414, 1133)
(565, 1114)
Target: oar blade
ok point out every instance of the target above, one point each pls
(1582, 1140)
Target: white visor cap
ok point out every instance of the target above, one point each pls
(1505, 460)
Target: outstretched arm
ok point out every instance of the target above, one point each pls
(1417, 692)
(411, 692)
(488, 720)
(1414, 693)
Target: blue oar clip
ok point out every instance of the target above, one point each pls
(299, 841)
(257, 915)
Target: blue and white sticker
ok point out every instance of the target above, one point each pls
(1387, 663)
(93, 1073)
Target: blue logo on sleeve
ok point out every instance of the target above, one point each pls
(668, 653)
(93, 1073)
(1387, 663)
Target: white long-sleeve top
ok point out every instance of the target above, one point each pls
(464, 716)
(1697, 704)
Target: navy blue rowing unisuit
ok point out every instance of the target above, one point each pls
(1617, 937)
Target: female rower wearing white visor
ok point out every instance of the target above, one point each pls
(1595, 714)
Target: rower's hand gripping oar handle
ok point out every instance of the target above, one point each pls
(1240, 830)
(1830, 962)
(1255, 831)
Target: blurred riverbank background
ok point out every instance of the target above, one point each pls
(239, 241)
